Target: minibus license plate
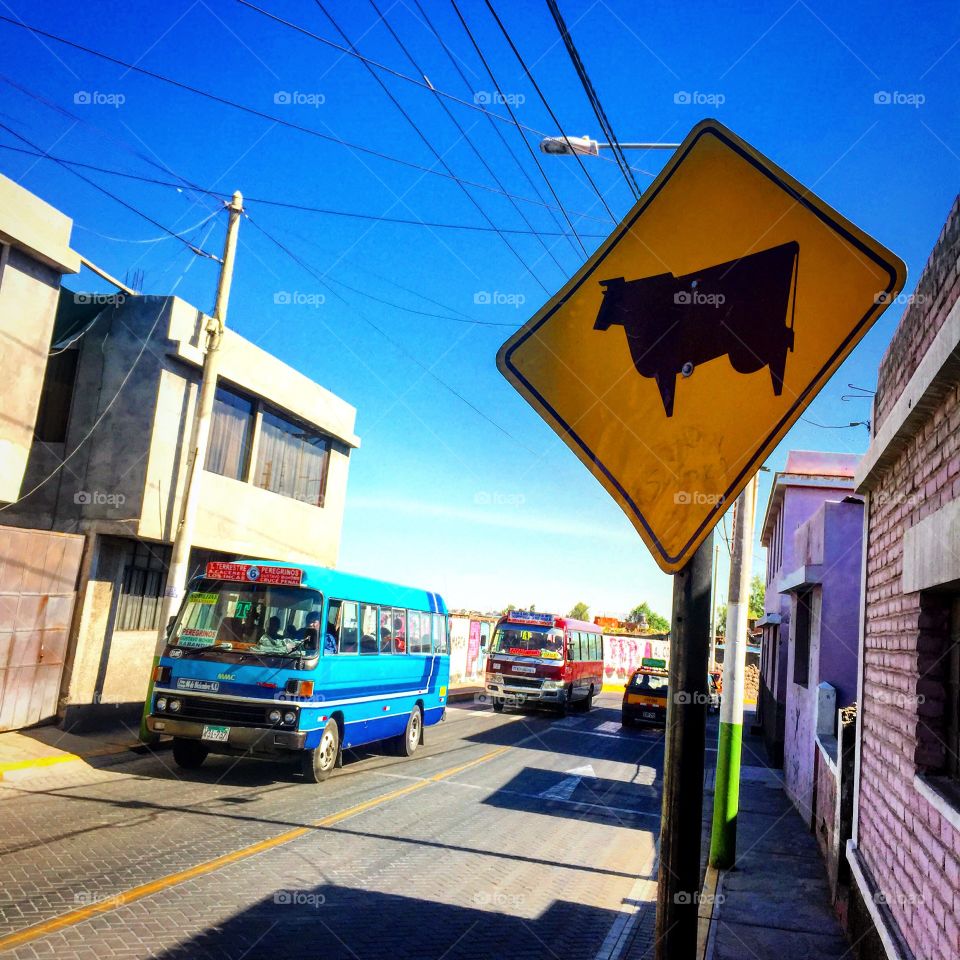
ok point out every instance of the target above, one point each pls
(220, 734)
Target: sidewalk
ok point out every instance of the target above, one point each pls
(776, 902)
(47, 746)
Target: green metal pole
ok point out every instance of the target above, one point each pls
(726, 793)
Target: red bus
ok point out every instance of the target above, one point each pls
(538, 659)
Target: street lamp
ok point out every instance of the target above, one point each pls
(586, 146)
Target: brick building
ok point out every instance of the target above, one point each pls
(904, 856)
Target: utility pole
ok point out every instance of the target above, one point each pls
(726, 796)
(678, 884)
(199, 437)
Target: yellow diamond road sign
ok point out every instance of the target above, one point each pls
(679, 355)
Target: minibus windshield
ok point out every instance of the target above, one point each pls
(258, 618)
(529, 642)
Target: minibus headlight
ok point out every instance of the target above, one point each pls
(274, 716)
(552, 684)
(161, 703)
(290, 717)
(174, 706)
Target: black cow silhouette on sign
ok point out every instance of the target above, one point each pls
(738, 309)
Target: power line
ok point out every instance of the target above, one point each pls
(466, 137)
(197, 250)
(506, 102)
(592, 96)
(429, 145)
(398, 346)
(290, 205)
(496, 129)
(543, 100)
(279, 121)
(57, 108)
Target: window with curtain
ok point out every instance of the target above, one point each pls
(230, 430)
(292, 460)
(141, 589)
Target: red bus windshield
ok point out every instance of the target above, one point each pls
(528, 641)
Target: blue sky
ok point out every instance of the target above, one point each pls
(488, 507)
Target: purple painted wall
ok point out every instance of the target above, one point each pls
(833, 540)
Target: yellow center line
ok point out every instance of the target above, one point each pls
(81, 914)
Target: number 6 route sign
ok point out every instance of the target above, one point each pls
(683, 350)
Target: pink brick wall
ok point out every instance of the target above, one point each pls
(922, 318)
(912, 853)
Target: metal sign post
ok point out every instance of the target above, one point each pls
(678, 887)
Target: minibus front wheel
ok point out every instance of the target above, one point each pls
(318, 763)
(189, 754)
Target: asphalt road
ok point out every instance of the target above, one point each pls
(515, 835)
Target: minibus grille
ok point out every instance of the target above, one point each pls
(225, 711)
(532, 682)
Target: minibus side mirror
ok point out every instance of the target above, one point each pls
(169, 627)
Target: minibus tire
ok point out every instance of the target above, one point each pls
(317, 764)
(406, 744)
(189, 754)
(498, 704)
(586, 705)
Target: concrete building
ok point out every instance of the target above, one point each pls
(117, 408)
(34, 254)
(904, 855)
(810, 479)
(823, 590)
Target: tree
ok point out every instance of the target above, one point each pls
(580, 611)
(757, 597)
(722, 620)
(509, 608)
(642, 614)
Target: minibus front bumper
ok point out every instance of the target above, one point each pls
(268, 741)
(513, 693)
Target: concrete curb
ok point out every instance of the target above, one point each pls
(50, 760)
(458, 695)
(707, 912)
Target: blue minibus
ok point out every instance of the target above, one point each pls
(294, 661)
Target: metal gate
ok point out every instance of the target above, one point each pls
(38, 583)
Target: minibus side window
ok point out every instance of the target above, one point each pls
(440, 646)
(369, 616)
(413, 631)
(346, 630)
